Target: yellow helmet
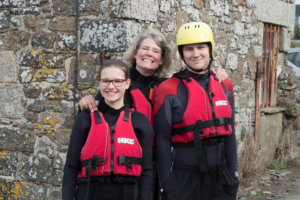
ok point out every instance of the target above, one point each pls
(194, 32)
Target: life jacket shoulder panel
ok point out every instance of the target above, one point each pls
(116, 149)
(168, 87)
(228, 86)
(141, 103)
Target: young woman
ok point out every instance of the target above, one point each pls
(110, 150)
(194, 114)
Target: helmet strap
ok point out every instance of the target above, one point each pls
(201, 70)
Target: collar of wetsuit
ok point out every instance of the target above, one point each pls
(140, 79)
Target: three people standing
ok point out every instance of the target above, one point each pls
(150, 59)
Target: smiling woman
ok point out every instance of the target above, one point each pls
(114, 80)
(110, 155)
(148, 57)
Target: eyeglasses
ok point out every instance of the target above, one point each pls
(116, 82)
(154, 51)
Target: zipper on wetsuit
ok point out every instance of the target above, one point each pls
(112, 131)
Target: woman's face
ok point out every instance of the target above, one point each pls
(148, 57)
(113, 93)
(196, 56)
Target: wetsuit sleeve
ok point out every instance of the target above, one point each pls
(170, 112)
(78, 137)
(230, 143)
(144, 133)
(98, 96)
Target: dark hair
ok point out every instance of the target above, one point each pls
(115, 63)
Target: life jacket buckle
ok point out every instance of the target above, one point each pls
(200, 128)
(129, 166)
(219, 121)
(96, 162)
(226, 127)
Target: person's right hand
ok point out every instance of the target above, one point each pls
(88, 102)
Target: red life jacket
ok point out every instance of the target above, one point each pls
(111, 150)
(142, 104)
(210, 111)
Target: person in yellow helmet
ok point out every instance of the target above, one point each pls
(196, 148)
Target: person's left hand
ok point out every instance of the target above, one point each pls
(220, 73)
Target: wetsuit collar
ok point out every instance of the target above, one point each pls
(136, 76)
(197, 77)
(106, 109)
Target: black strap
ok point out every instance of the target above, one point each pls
(207, 142)
(112, 147)
(222, 166)
(129, 161)
(95, 162)
(204, 124)
(88, 178)
(98, 117)
(125, 191)
(181, 75)
(201, 154)
(126, 115)
(210, 96)
(136, 191)
(132, 87)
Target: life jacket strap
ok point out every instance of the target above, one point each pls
(95, 162)
(126, 115)
(98, 117)
(219, 121)
(206, 142)
(135, 191)
(221, 167)
(182, 76)
(201, 154)
(129, 161)
(132, 87)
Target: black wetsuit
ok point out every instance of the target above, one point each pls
(110, 190)
(185, 159)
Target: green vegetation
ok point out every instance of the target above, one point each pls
(276, 164)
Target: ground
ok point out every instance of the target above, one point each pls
(272, 184)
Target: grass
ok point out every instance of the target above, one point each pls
(276, 164)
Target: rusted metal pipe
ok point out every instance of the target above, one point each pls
(101, 57)
(268, 81)
(277, 54)
(258, 74)
(272, 68)
(265, 65)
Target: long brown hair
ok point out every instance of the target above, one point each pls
(160, 40)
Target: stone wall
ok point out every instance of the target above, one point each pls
(37, 59)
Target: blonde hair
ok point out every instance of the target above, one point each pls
(160, 40)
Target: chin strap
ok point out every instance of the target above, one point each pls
(201, 70)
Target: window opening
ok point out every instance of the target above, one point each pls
(269, 65)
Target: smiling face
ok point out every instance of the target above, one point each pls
(196, 56)
(113, 96)
(148, 57)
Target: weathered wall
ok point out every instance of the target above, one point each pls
(37, 59)
(270, 132)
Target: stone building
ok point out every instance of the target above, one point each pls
(38, 56)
